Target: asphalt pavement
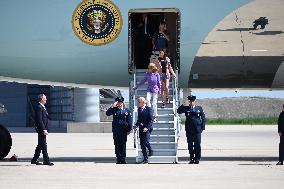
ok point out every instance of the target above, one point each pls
(232, 157)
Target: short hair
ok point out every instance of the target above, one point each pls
(143, 99)
(40, 96)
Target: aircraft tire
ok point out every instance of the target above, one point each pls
(5, 142)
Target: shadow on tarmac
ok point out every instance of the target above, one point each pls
(131, 160)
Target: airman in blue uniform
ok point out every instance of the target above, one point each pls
(121, 127)
(281, 134)
(194, 125)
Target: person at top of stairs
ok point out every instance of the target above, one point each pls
(165, 70)
(154, 87)
(144, 122)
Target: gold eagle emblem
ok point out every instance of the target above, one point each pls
(96, 22)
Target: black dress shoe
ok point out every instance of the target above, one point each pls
(48, 163)
(123, 162)
(279, 163)
(196, 162)
(36, 162)
(191, 162)
(145, 161)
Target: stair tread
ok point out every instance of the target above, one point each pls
(163, 128)
(170, 122)
(165, 115)
(162, 136)
(159, 142)
(164, 122)
(160, 150)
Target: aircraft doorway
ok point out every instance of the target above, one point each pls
(143, 26)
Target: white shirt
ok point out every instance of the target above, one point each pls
(43, 106)
(142, 108)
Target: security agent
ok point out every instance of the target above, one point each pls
(194, 125)
(144, 122)
(281, 134)
(121, 127)
(42, 120)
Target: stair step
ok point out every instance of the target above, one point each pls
(164, 125)
(160, 152)
(160, 102)
(162, 111)
(162, 138)
(163, 131)
(160, 159)
(165, 117)
(161, 145)
(161, 121)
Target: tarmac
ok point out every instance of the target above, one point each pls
(232, 157)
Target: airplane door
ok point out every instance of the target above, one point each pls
(142, 24)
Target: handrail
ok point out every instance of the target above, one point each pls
(134, 111)
(176, 115)
(177, 100)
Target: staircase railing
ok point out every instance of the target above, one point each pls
(176, 115)
(176, 99)
(132, 99)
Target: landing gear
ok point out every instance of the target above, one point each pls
(5, 142)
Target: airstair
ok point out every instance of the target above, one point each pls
(165, 134)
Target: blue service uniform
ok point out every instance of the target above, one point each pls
(281, 130)
(121, 125)
(194, 125)
(145, 120)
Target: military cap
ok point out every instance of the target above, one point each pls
(191, 98)
(119, 99)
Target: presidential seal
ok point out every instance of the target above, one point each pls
(96, 22)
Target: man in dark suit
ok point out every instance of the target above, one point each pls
(121, 127)
(194, 125)
(281, 134)
(42, 122)
(144, 122)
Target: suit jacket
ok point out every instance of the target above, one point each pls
(281, 123)
(145, 118)
(41, 118)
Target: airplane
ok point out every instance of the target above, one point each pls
(38, 43)
(81, 43)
